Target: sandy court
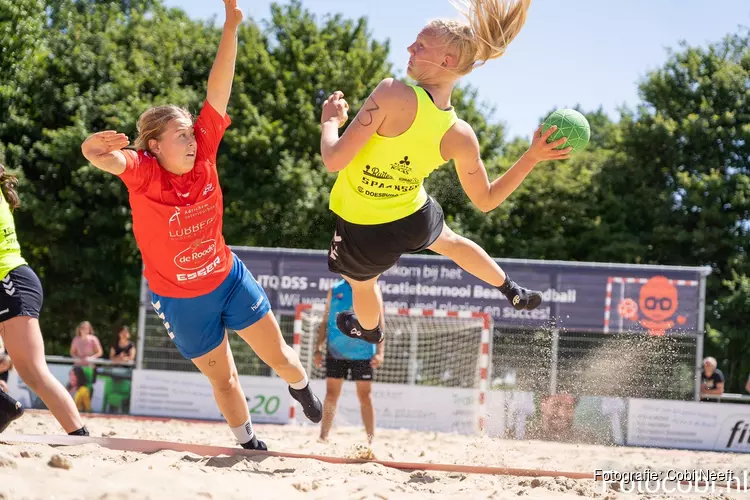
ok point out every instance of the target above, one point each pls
(101, 473)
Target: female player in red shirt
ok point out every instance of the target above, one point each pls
(199, 287)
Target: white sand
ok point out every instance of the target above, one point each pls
(100, 473)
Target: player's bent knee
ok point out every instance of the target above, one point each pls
(290, 355)
(283, 358)
(446, 240)
(226, 384)
(33, 376)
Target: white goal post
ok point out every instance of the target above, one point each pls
(437, 348)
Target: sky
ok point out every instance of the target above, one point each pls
(591, 53)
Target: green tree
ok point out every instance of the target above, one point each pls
(94, 65)
(21, 51)
(548, 216)
(105, 63)
(678, 190)
(275, 183)
(275, 186)
(729, 341)
(444, 185)
(667, 183)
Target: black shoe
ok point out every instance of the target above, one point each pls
(349, 325)
(255, 444)
(520, 297)
(83, 431)
(311, 405)
(10, 410)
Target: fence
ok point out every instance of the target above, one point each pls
(543, 361)
(595, 364)
(607, 310)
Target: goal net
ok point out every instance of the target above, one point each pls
(446, 351)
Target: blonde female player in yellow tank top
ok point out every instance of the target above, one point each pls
(21, 298)
(401, 134)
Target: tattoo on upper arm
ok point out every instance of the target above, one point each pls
(477, 160)
(366, 120)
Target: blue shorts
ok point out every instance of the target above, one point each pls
(197, 325)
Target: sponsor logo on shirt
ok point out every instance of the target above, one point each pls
(196, 255)
(200, 273)
(192, 230)
(175, 219)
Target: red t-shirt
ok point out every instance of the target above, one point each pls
(177, 220)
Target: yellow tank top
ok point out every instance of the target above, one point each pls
(10, 250)
(384, 182)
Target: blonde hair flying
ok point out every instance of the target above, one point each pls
(492, 26)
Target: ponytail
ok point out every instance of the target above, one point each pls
(8, 185)
(492, 25)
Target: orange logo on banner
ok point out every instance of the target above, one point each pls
(657, 303)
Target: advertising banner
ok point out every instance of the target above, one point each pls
(95, 388)
(577, 296)
(414, 407)
(689, 425)
(557, 417)
(508, 414)
(159, 393)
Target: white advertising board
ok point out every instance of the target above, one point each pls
(414, 407)
(689, 425)
(157, 393)
(442, 409)
(61, 371)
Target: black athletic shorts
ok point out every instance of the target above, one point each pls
(21, 294)
(362, 252)
(349, 369)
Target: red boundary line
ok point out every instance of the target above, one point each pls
(190, 448)
(150, 446)
(104, 416)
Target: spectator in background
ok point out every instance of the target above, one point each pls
(747, 384)
(123, 350)
(558, 413)
(712, 380)
(85, 345)
(79, 390)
